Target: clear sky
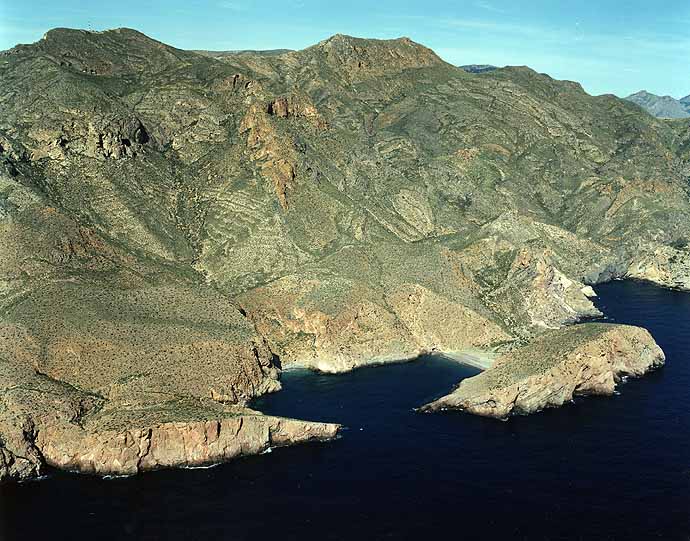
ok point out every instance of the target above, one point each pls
(609, 46)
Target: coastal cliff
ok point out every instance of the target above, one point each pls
(587, 359)
(46, 422)
(174, 444)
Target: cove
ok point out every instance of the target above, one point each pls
(601, 468)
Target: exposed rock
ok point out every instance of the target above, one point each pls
(478, 68)
(588, 292)
(551, 298)
(587, 359)
(89, 135)
(664, 265)
(274, 152)
(20, 459)
(336, 323)
(44, 422)
(364, 58)
(296, 106)
(132, 450)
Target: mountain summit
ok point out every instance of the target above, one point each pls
(661, 106)
(358, 58)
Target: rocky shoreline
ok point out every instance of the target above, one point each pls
(175, 445)
(122, 441)
(88, 435)
(586, 359)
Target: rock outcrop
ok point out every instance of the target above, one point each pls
(668, 266)
(45, 422)
(586, 359)
(131, 449)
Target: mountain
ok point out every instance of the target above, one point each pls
(661, 106)
(177, 227)
(478, 68)
(267, 52)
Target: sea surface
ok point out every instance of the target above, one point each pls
(600, 468)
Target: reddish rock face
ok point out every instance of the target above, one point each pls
(174, 445)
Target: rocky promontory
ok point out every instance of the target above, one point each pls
(586, 359)
(129, 449)
(48, 423)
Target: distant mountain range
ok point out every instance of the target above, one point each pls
(658, 106)
(220, 54)
(662, 106)
(478, 68)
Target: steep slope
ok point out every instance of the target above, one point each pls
(661, 106)
(175, 226)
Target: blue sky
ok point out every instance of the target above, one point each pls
(608, 46)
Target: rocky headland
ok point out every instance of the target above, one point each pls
(176, 227)
(586, 359)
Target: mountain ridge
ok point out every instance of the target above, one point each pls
(661, 106)
(478, 68)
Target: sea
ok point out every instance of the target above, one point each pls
(600, 468)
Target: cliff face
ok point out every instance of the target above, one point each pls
(46, 422)
(174, 444)
(177, 226)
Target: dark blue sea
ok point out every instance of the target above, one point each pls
(601, 468)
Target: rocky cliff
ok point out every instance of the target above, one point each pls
(587, 359)
(176, 226)
(48, 422)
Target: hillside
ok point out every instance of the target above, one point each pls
(176, 227)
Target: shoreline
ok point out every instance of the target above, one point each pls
(482, 359)
(476, 358)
